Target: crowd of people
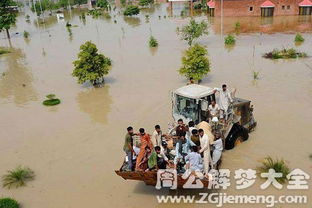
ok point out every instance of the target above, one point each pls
(191, 148)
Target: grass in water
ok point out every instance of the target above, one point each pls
(255, 75)
(284, 54)
(51, 100)
(153, 42)
(3, 51)
(26, 34)
(17, 177)
(229, 40)
(278, 165)
(299, 38)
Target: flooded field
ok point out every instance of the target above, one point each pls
(75, 147)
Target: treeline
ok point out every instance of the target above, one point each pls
(49, 5)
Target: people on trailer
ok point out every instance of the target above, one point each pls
(193, 160)
(181, 150)
(217, 150)
(225, 99)
(157, 136)
(181, 128)
(190, 126)
(164, 148)
(205, 150)
(128, 148)
(143, 164)
(214, 110)
(157, 160)
(195, 137)
(145, 142)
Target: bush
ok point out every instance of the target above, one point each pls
(17, 177)
(8, 203)
(198, 6)
(131, 10)
(299, 38)
(95, 13)
(102, 4)
(91, 65)
(193, 31)
(229, 40)
(26, 34)
(284, 54)
(153, 42)
(51, 100)
(3, 51)
(279, 166)
(195, 62)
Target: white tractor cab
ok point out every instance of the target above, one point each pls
(191, 102)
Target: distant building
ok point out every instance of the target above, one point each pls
(260, 7)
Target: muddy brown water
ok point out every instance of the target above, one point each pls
(75, 147)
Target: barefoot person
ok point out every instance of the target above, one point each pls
(128, 148)
(145, 142)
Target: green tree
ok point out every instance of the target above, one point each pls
(91, 66)
(193, 31)
(39, 7)
(131, 10)
(195, 62)
(102, 4)
(7, 18)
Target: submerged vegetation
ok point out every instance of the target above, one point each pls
(51, 100)
(17, 177)
(195, 62)
(8, 203)
(284, 54)
(91, 66)
(145, 2)
(131, 10)
(299, 38)
(193, 31)
(26, 34)
(4, 51)
(278, 165)
(255, 75)
(152, 42)
(229, 40)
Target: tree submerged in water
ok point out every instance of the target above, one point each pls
(195, 62)
(131, 10)
(192, 31)
(299, 38)
(7, 17)
(8, 203)
(91, 66)
(284, 54)
(152, 42)
(17, 177)
(51, 100)
(229, 40)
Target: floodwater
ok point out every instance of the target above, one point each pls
(75, 147)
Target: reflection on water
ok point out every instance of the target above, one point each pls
(133, 21)
(96, 102)
(263, 24)
(16, 82)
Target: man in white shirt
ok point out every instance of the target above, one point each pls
(225, 98)
(214, 110)
(217, 152)
(193, 160)
(157, 136)
(205, 149)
